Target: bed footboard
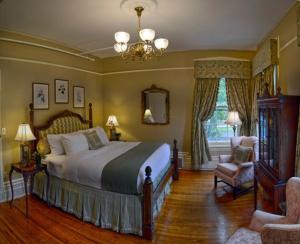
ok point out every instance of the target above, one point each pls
(149, 197)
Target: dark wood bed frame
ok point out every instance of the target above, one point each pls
(149, 196)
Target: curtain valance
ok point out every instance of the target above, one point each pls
(267, 55)
(222, 68)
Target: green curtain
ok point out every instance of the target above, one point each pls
(297, 163)
(205, 99)
(257, 89)
(238, 100)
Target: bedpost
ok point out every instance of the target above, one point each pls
(90, 115)
(175, 161)
(147, 205)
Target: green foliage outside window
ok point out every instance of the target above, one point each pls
(216, 129)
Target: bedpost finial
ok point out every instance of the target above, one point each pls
(148, 171)
(31, 106)
(175, 143)
(90, 105)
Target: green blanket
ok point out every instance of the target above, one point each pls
(121, 174)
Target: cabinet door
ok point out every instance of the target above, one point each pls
(263, 135)
(273, 139)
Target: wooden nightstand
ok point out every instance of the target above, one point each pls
(27, 172)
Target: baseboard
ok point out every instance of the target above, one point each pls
(5, 193)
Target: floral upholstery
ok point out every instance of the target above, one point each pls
(274, 228)
(243, 235)
(238, 174)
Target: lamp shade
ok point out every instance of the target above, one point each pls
(147, 113)
(24, 133)
(120, 47)
(147, 34)
(122, 36)
(161, 43)
(233, 118)
(112, 121)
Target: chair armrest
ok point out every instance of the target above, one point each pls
(280, 233)
(260, 218)
(246, 164)
(225, 159)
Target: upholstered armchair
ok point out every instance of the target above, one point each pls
(237, 174)
(272, 228)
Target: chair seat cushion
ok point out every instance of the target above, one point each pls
(229, 169)
(245, 236)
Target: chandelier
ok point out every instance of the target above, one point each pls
(144, 48)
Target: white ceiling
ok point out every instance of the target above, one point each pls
(188, 24)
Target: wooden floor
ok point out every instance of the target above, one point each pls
(193, 213)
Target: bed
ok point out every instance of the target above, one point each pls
(98, 185)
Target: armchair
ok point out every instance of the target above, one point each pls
(235, 175)
(272, 228)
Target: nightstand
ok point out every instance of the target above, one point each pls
(28, 171)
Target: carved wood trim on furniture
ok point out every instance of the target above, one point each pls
(149, 195)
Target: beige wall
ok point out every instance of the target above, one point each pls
(17, 79)
(122, 94)
(289, 60)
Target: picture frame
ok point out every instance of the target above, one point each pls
(40, 95)
(61, 91)
(78, 97)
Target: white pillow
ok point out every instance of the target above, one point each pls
(74, 143)
(102, 135)
(55, 143)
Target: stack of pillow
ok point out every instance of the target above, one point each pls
(90, 139)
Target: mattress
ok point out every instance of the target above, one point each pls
(86, 167)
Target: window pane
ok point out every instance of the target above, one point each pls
(216, 129)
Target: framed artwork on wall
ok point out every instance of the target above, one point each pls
(40, 95)
(61, 91)
(78, 97)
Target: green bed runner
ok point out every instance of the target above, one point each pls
(120, 174)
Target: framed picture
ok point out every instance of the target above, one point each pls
(61, 91)
(78, 97)
(40, 95)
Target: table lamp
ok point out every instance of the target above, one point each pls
(24, 134)
(233, 119)
(112, 122)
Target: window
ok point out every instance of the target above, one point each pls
(215, 127)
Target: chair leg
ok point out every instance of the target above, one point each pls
(216, 181)
(234, 193)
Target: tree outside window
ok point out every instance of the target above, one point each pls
(215, 127)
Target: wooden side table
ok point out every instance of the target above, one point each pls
(28, 171)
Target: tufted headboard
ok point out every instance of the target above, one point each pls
(61, 123)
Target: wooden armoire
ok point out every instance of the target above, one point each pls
(278, 123)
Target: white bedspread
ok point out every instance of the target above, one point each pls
(86, 167)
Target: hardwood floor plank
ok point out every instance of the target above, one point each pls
(193, 213)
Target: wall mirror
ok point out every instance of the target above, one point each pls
(155, 106)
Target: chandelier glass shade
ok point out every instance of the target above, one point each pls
(145, 48)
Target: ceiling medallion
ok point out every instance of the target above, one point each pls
(145, 48)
